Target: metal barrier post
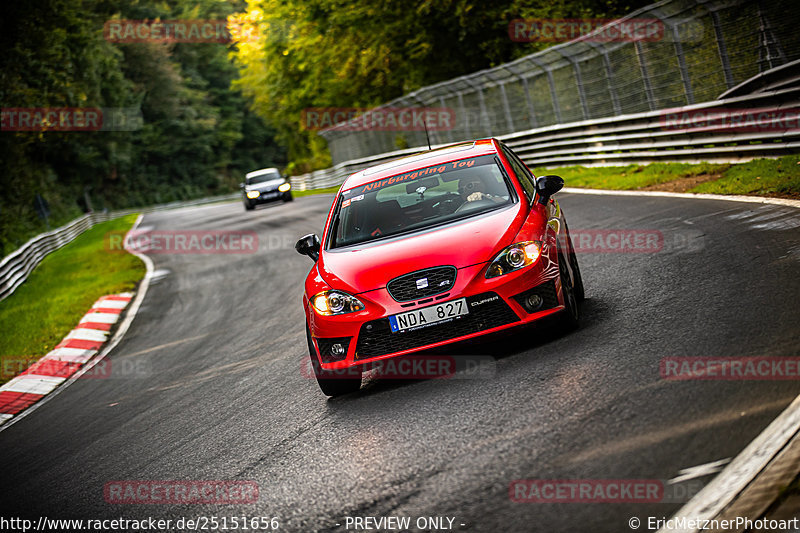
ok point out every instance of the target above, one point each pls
(648, 88)
(551, 82)
(723, 50)
(579, 82)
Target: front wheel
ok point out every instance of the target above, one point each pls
(336, 383)
(570, 315)
(248, 206)
(580, 293)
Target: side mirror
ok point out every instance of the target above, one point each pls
(308, 245)
(241, 185)
(547, 186)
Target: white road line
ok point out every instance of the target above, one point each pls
(160, 274)
(722, 490)
(699, 471)
(731, 198)
(87, 334)
(102, 318)
(32, 384)
(121, 330)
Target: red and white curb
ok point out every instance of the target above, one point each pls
(83, 349)
(67, 358)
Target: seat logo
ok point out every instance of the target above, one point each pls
(422, 283)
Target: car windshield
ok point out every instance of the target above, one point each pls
(261, 178)
(420, 199)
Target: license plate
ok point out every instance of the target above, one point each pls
(429, 315)
(269, 195)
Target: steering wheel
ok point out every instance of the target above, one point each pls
(474, 206)
(448, 204)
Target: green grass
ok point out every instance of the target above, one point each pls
(325, 190)
(763, 177)
(766, 177)
(61, 289)
(631, 176)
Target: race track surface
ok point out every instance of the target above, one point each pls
(209, 383)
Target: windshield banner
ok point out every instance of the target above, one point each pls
(421, 173)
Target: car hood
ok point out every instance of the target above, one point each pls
(463, 243)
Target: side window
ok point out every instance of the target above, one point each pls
(523, 174)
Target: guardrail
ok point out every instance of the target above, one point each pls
(648, 137)
(634, 138)
(17, 266)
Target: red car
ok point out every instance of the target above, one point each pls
(439, 247)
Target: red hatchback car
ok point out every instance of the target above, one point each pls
(439, 247)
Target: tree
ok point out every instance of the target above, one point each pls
(360, 53)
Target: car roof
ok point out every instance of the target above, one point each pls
(255, 173)
(420, 160)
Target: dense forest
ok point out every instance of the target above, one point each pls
(210, 111)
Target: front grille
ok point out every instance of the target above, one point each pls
(422, 283)
(376, 337)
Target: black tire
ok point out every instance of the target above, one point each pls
(248, 206)
(333, 383)
(288, 197)
(570, 317)
(580, 293)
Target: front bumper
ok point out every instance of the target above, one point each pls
(494, 305)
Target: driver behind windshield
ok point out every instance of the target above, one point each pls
(473, 189)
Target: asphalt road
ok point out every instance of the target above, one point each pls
(208, 384)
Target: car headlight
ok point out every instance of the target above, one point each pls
(253, 194)
(285, 187)
(336, 303)
(514, 257)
